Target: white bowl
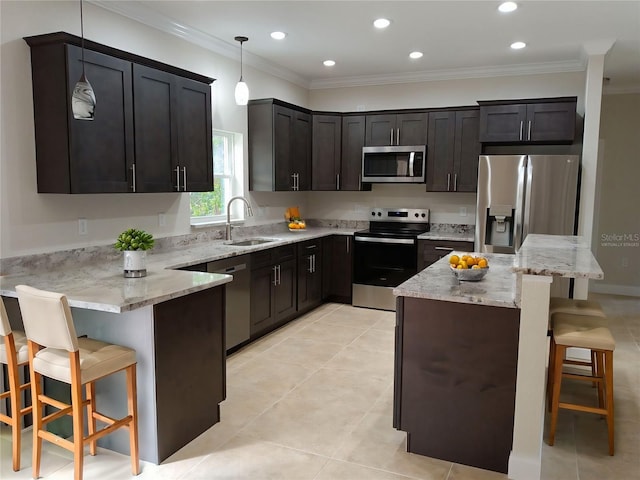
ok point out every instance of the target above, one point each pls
(470, 274)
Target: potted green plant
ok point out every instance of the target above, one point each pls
(134, 243)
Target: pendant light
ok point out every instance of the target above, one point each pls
(242, 91)
(83, 100)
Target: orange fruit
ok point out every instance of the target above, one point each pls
(454, 259)
(459, 267)
(462, 264)
(471, 261)
(476, 267)
(482, 263)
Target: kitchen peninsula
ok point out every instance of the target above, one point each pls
(471, 356)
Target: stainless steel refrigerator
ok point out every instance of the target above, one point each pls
(522, 194)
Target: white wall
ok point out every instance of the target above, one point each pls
(445, 207)
(34, 223)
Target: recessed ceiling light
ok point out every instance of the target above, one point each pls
(507, 7)
(278, 35)
(329, 63)
(416, 54)
(381, 23)
(518, 45)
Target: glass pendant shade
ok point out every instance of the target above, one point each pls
(242, 93)
(83, 100)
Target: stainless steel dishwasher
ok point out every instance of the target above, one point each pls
(238, 301)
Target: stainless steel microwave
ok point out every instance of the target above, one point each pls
(394, 164)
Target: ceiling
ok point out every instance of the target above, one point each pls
(459, 39)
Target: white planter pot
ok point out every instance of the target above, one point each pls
(135, 263)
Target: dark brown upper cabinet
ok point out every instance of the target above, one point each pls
(279, 146)
(452, 151)
(396, 129)
(152, 125)
(551, 120)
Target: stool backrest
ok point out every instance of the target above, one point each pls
(5, 328)
(47, 318)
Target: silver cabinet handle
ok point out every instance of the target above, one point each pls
(297, 181)
(293, 181)
(448, 182)
(310, 258)
(529, 131)
(455, 182)
(279, 275)
(314, 263)
(359, 182)
(133, 177)
(184, 179)
(348, 244)
(391, 136)
(521, 125)
(275, 276)
(338, 182)
(178, 178)
(397, 136)
(443, 248)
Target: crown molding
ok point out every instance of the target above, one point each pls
(452, 74)
(160, 22)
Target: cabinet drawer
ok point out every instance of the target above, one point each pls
(430, 251)
(272, 256)
(310, 246)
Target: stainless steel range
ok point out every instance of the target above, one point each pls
(386, 255)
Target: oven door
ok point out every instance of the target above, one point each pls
(384, 261)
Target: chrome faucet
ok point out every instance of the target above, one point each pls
(249, 214)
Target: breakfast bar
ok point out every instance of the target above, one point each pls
(471, 357)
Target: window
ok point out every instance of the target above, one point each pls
(209, 207)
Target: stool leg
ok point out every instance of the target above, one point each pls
(557, 380)
(14, 402)
(132, 405)
(550, 368)
(76, 402)
(608, 373)
(91, 419)
(36, 410)
(599, 372)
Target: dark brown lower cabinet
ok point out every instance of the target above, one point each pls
(309, 275)
(455, 380)
(337, 268)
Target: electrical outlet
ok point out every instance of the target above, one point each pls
(83, 228)
(463, 211)
(162, 220)
(625, 262)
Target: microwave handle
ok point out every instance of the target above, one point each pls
(411, 158)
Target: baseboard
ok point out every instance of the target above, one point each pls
(626, 290)
(524, 467)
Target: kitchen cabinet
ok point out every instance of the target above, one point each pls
(309, 274)
(337, 268)
(453, 149)
(532, 121)
(273, 288)
(152, 125)
(396, 129)
(279, 146)
(430, 251)
(337, 152)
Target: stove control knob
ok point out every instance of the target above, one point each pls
(423, 215)
(417, 215)
(379, 214)
(373, 213)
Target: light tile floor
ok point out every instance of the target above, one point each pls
(314, 399)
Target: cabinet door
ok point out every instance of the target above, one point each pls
(309, 274)
(551, 122)
(283, 120)
(195, 147)
(337, 272)
(380, 130)
(411, 129)
(302, 150)
(156, 130)
(502, 123)
(325, 159)
(101, 151)
(285, 291)
(467, 151)
(440, 150)
(262, 306)
(353, 133)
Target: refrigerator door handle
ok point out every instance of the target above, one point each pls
(520, 203)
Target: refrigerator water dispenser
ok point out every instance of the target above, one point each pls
(500, 226)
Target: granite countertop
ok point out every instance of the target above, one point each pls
(436, 282)
(101, 286)
(455, 236)
(556, 255)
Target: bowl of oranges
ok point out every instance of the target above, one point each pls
(468, 267)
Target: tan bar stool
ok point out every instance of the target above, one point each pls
(575, 307)
(14, 354)
(55, 351)
(583, 331)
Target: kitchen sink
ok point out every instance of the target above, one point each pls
(250, 242)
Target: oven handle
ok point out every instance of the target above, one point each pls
(403, 241)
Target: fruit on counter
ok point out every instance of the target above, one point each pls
(292, 214)
(297, 224)
(465, 261)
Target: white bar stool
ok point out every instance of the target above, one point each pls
(14, 354)
(55, 351)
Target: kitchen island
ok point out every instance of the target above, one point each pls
(461, 346)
